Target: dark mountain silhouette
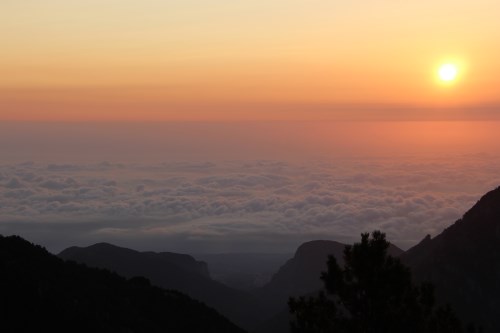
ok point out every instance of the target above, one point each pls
(42, 293)
(300, 276)
(463, 262)
(173, 271)
(122, 257)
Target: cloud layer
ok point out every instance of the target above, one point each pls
(239, 206)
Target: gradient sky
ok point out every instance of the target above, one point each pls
(247, 60)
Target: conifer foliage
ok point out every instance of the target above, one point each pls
(372, 293)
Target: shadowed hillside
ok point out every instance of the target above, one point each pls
(42, 293)
(173, 271)
(463, 262)
(301, 274)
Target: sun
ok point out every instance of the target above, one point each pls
(448, 72)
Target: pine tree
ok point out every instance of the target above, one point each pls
(372, 293)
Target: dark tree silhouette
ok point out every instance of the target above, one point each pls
(372, 293)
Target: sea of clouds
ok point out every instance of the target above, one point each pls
(243, 206)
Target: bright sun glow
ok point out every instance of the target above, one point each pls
(448, 72)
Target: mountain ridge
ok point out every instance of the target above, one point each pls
(463, 262)
(41, 292)
(183, 261)
(240, 307)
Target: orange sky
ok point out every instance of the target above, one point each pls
(247, 60)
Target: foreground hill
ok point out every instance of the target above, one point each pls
(463, 262)
(173, 271)
(42, 293)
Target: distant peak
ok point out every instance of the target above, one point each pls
(319, 243)
(103, 244)
(95, 248)
(318, 246)
(425, 240)
(490, 196)
(487, 206)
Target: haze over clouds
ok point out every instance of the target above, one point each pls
(217, 187)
